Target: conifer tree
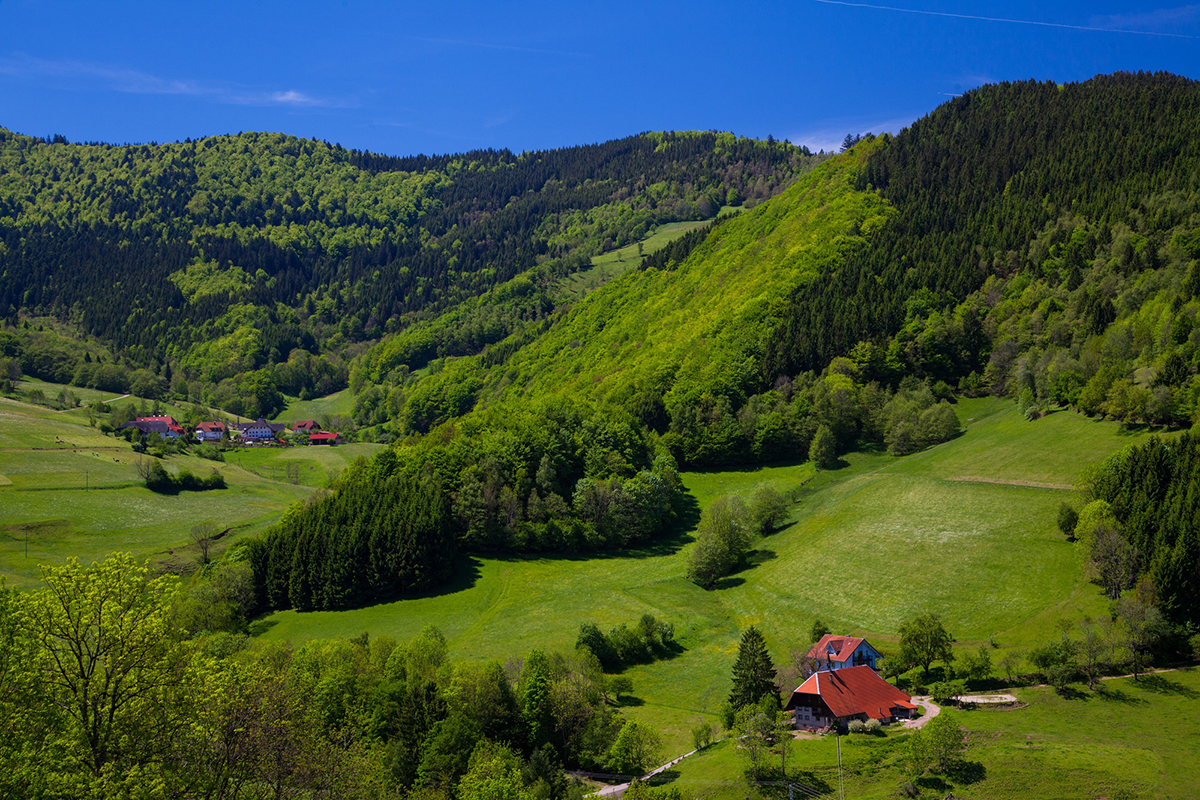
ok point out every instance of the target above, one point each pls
(753, 672)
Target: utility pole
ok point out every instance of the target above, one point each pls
(837, 735)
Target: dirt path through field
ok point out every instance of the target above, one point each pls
(932, 709)
(1034, 484)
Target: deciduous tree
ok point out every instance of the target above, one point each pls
(923, 640)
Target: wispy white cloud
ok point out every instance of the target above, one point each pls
(1154, 20)
(500, 119)
(131, 81)
(979, 18)
(497, 46)
(830, 134)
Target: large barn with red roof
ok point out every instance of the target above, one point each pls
(840, 696)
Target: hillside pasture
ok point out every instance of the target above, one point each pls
(866, 545)
(311, 465)
(70, 491)
(1133, 738)
(607, 266)
(331, 405)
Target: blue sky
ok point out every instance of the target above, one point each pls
(436, 77)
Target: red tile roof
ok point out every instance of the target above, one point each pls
(305, 425)
(835, 648)
(322, 436)
(168, 420)
(853, 690)
(211, 426)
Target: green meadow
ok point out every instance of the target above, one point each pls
(67, 490)
(331, 405)
(1130, 738)
(609, 265)
(866, 545)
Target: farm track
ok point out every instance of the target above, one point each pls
(1032, 484)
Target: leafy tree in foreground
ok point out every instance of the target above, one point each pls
(635, 749)
(494, 774)
(936, 746)
(753, 672)
(923, 640)
(104, 642)
(754, 727)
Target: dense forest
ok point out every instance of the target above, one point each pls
(555, 477)
(213, 262)
(1144, 520)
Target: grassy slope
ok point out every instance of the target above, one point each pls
(607, 266)
(714, 307)
(869, 543)
(339, 403)
(1136, 736)
(75, 493)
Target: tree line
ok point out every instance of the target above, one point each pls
(550, 477)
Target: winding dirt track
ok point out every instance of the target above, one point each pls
(931, 710)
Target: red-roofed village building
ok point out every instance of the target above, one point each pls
(210, 431)
(840, 696)
(306, 425)
(840, 652)
(324, 437)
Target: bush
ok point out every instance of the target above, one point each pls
(872, 726)
(209, 451)
(768, 508)
(702, 735)
(1068, 518)
(856, 726)
(1060, 675)
(944, 691)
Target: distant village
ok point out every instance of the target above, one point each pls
(251, 434)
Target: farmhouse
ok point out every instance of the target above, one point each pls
(210, 431)
(260, 430)
(324, 437)
(306, 426)
(839, 696)
(840, 652)
(163, 426)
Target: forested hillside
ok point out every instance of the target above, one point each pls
(1006, 243)
(215, 263)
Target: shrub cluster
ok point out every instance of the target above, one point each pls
(623, 645)
(159, 480)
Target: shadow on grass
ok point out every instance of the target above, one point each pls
(756, 557)
(260, 626)
(629, 701)
(770, 782)
(1071, 693)
(1163, 685)
(1116, 695)
(728, 582)
(965, 773)
(664, 777)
